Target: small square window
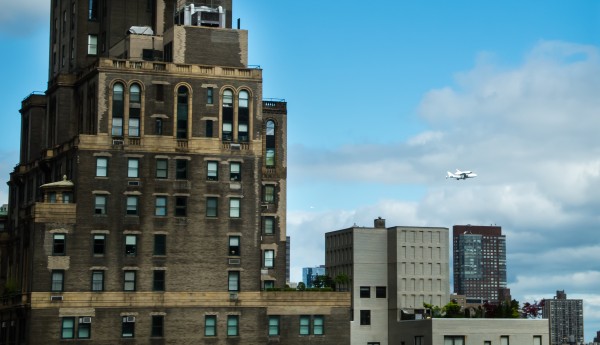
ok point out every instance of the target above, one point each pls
(99, 244)
(269, 284)
(160, 206)
(212, 171)
(380, 292)
(133, 165)
(59, 244)
(131, 245)
(129, 281)
(234, 245)
(232, 325)
(132, 205)
(162, 168)
(365, 292)
(235, 173)
(180, 206)
(211, 207)
(160, 244)
(234, 208)
(101, 167)
(158, 281)
(210, 325)
(365, 317)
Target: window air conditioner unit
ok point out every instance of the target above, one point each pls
(233, 296)
(118, 142)
(56, 298)
(134, 183)
(235, 146)
(130, 319)
(234, 261)
(85, 319)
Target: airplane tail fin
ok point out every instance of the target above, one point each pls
(449, 174)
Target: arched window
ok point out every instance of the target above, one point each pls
(182, 112)
(270, 144)
(243, 116)
(135, 99)
(227, 115)
(117, 110)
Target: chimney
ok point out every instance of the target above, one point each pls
(379, 223)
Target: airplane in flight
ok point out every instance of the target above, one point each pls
(461, 175)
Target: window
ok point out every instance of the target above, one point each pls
(128, 326)
(234, 281)
(232, 325)
(273, 325)
(209, 128)
(234, 208)
(100, 204)
(182, 112)
(92, 45)
(129, 281)
(58, 277)
(97, 280)
(162, 168)
(118, 107)
(132, 205)
(158, 126)
(135, 100)
(234, 171)
(157, 325)
(503, 341)
(130, 245)
(456, 340)
(380, 292)
(101, 167)
(537, 340)
(99, 244)
(270, 144)
(181, 166)
(212, 171)
(227, 115)
(365, 317)
(234, 245)
(489, 342)
(318, 328)
(159, 94)
(58, 244)
(52, 197)
(268, 225)
(365, 292)
(269, 258)
(210, 325)
(243, 116)
(158, 280)
(304, 325)
(269, 284)
(68, 328)
(180, 206)
(209, 95)
(133, 165)
(211, 207)
(160, 244)
(84, 330)
(269, 194)
(160, 206)
(93, 10)
(419, 340)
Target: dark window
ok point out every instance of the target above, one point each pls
(243, 116)
(162, 168)
(304, 325)
(130, 245)
(59, 244)
(234, 245)
(97, 280)
(209, 128)
(212, 171)
(93, 10)
(182, 112)
(227, 133)
(84, 329)
(58, 278)
(181, 169)
(180, 206)
(209, 95)
(232, 325)
(118, 107)
(135, 100)
(100, 204)
(235, 171)
(68, 328)
(157, 325)
(158, 126)
(158, 280)
(128, 327)
(318, 325)
(210, 325)
(160, 244)
(365, 317)
(159, 92)
(270, 144)
(234, 281)
(99, 244)
(365, 292)
(211, 207)
(129, 281)
(380, 292)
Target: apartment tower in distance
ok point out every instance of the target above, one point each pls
(480, 263)
(565, 318)
(149, 202)
(392, 272)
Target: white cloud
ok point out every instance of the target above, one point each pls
(22, 17)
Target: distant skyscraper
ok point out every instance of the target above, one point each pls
(565, 318)
(479, 262)
(310, 273)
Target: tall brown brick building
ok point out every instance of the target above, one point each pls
(149, 203)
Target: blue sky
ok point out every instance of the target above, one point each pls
(384, 98)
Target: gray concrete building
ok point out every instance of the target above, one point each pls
(149, 202)
(392, 272)
(565, 317)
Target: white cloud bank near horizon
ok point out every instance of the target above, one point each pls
(529, 131)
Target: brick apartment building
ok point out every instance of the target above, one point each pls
(149, 202)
